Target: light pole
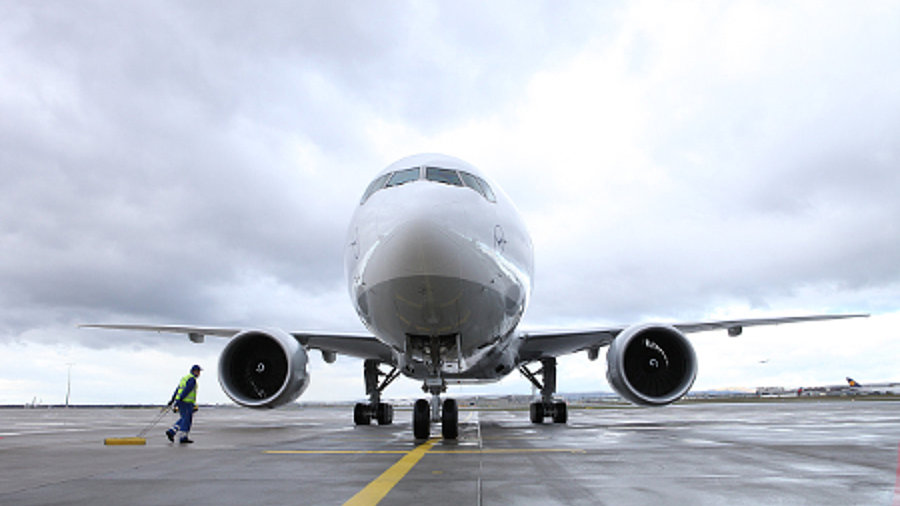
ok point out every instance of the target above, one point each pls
(69, 383)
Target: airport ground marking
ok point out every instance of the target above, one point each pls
(379, 487)
(333, 452)
(473, 451)
(487, 451)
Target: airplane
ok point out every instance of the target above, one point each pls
(439, 267)
(873, 388)
(852, 387)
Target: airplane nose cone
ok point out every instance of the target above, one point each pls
(411, 282)
(417, 248)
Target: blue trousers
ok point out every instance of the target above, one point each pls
(186, 410)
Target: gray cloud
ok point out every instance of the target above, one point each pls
(767, 174)
(150, 153)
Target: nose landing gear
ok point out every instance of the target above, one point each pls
(424, 412)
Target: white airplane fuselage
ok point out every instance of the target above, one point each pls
(440, 271)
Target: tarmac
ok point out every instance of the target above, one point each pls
(784, 453)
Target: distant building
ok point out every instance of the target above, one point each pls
(770, 391)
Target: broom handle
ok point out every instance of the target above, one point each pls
(158, 418)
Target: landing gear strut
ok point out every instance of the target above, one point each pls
(424, 412)
(363, 413)
(546, 407)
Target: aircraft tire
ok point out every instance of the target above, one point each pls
(450, 419)
(384, 414)
(537, 412)
(421, 419)
(560, 412)
(361, 415)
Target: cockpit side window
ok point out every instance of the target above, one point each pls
(488, 193)
(472, 182)
(376, 185)
(480, 185)
(403, 176)
(439, 175)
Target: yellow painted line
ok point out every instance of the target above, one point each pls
(379, 487)
(432, 452)
(331, 452)
(511, 438)
(511, 450)
(353, 438)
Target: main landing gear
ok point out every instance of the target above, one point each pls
(363, 414)
(546, 407)
(424, 413)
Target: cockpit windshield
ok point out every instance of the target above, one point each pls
(403, 176)
(440, 175)
(434, 174)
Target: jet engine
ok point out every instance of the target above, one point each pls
(263, 369)
(651, 365)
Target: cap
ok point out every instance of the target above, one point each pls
(196, 368)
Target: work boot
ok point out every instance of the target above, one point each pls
(185, 440)
(171, 435)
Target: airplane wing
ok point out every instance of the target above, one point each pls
(550, 343)
(355, 345)
(536, 345)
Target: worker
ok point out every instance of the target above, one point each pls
(185, 400)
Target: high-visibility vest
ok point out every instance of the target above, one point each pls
(191, 397)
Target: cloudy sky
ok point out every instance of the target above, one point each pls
(198, 162)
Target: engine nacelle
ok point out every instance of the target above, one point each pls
(652, 365)
(263, 369)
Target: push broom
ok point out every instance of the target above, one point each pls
(139, 439)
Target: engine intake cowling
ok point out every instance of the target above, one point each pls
(651, 365)
(263, 369)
